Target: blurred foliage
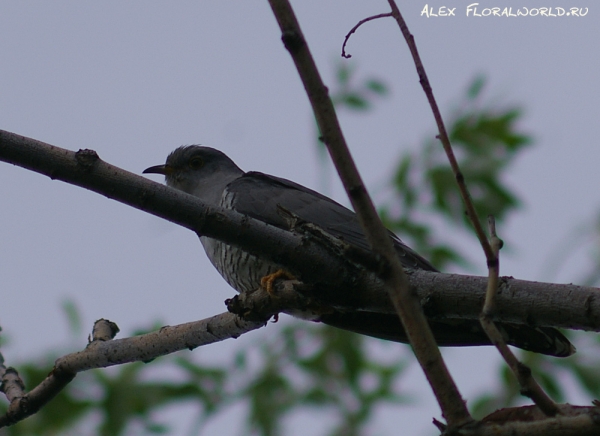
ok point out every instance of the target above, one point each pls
(348, 94)
(320, 368)
(486, 141)
(302, 367)
(309, 367)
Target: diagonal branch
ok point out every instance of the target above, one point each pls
(407, 305)
(306, 258)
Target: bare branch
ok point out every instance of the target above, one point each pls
(529, 386)
(517, 301)
(406, 304)
(167, 340)
(531, 421)
(103, 352)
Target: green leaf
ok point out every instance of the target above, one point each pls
(476, 87)
(355, 101)
(73, 317)
(344, 72)
(377, 86)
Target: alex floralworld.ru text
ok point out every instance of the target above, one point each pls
(473, 10)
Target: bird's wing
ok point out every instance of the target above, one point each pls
(261, 196)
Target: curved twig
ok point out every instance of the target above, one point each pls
(355, 28)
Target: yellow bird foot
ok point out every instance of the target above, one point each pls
(268, 281)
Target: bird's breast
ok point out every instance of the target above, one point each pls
(242, 270)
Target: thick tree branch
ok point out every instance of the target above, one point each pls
(444, 296)
(303, 255)
(405, 302)
(518, 301)
(531, 421)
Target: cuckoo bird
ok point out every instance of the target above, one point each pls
(214, 178)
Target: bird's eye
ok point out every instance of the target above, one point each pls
(196, 163)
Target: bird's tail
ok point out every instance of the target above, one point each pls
(454, 333)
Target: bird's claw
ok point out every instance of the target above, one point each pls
(268, 281)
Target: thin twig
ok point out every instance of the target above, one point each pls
(355, 28)
(443, 135)
(529, 386)
(407, 305)
(493, 270)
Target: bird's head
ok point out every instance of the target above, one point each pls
(200, 171)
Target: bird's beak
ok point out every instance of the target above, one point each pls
(159, 169)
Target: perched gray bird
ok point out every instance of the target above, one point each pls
(214, 178)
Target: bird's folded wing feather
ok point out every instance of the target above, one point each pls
(260, 195)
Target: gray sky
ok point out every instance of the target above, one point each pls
(133, 80)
